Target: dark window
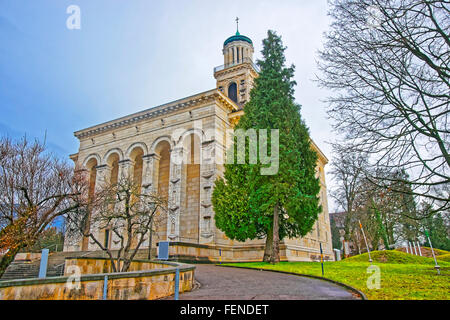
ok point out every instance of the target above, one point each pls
(232, 92)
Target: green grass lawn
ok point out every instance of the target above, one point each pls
(403, 276)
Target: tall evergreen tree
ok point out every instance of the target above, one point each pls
(251, 205)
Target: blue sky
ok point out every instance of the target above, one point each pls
(135, 54)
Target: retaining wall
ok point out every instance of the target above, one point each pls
(133, 285)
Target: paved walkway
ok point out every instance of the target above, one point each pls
(223, 283)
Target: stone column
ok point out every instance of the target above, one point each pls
(207, 176)
(101, 177)
(174, 198)
(125, 169)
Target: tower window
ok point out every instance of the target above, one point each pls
(232, 91)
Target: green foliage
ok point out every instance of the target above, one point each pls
(438, 231)
(444, 257)
(50, 238)
(244, 200)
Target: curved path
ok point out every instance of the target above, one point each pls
(224, 283)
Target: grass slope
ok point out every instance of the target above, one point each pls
(403, 276)
(391, 256)
(444, 257)
(437, 252)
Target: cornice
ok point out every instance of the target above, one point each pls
(245, 66)
(322, 156)
(161, 110)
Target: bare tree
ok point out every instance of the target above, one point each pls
(130, 215)
(388, 64)
(35, 188)
(347, 171)
(385, 212)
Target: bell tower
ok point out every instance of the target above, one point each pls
(235, 76)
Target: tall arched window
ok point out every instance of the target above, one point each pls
(190, 216)
(91, 166)
(232, 91)
(162, 176)
(136, 157)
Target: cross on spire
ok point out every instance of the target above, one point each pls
(237, 24)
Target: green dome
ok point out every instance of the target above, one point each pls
(237, 37)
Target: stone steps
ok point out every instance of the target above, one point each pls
(30, 269)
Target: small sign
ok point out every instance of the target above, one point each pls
(163, 250)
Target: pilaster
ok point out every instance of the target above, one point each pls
(174, 198)
(207, 175)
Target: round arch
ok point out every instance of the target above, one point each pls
(195, 131)
(135, 145)
(90, 157)
(160, 139)
(112, 151)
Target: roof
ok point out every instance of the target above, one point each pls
(238, 37)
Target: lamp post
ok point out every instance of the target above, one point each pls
(321, 257)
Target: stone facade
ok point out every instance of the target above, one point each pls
(150, 144)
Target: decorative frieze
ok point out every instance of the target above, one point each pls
(173, 221)
(207, 175)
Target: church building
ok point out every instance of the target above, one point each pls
(147, 145)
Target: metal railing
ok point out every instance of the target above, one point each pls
(235, 63)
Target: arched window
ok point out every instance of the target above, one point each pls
(232, 91)
(91, 166)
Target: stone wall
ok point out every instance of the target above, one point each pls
(244, 253)
(103, 265)
(134, 285)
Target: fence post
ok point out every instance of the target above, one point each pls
(105, 288)
(177, 282)
(43, 265)
(418, 248)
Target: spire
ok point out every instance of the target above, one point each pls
(237, 26)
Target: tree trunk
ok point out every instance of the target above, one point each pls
(6, 260)
(268, 247)
(275, 258)
(150, 238)
(126, 265)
